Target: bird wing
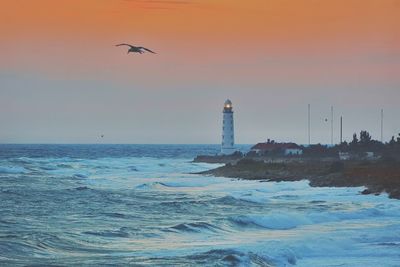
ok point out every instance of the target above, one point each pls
(124, 44)
(148, 50)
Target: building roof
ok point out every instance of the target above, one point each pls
(275, 146)
(228, 102)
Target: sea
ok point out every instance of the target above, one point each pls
(144, 205)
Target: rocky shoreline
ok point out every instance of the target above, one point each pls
(235, 157)
(377, 176)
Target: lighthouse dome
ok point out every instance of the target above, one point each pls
(228, 104)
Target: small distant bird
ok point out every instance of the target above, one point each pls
(102, 135)
(136, 49)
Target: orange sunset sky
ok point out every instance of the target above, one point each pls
(64, 81)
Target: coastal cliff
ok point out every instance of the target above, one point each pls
(377, 176)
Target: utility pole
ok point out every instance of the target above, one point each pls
(341, 129)
(309, 124)
(332, 125)
(381, 125)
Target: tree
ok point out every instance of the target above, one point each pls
(365, 138)
(342, 147)
(392, 141)
(355, 140)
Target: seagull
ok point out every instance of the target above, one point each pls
(137, 49)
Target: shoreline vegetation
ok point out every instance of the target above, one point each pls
(321, 165)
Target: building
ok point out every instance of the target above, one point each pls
(369, 155)
(227, 145)
(272, 148)
(344, 155)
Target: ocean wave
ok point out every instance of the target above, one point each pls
(65, 166)
(133, 169)
(22, 160)
(272, 221)
(197, 227)
(226, 255)
(81, 188)
(12, 191)
(235, 201)
(42, 245)
(285, 221)
(286, 197)
(48, 168)
(109, 233)
(231, 257)
(337, 216)
(185, 183)
(155, 185)
(389, 244)
(213, 257)
(21, 248)
(252, 196)
(147, 186)
(13, 170)
(79, 175)
(116, 215)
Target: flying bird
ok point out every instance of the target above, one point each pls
(137, 49)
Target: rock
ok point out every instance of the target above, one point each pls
(219, 158)
(366, 192)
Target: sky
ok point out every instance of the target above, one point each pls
(63, 80)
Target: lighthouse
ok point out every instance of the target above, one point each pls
(227, 145)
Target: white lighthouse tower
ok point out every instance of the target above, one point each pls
(227, 146)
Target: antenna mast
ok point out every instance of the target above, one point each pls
(341, 129)
(309, 124)
(381, 125)
(332, 125)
